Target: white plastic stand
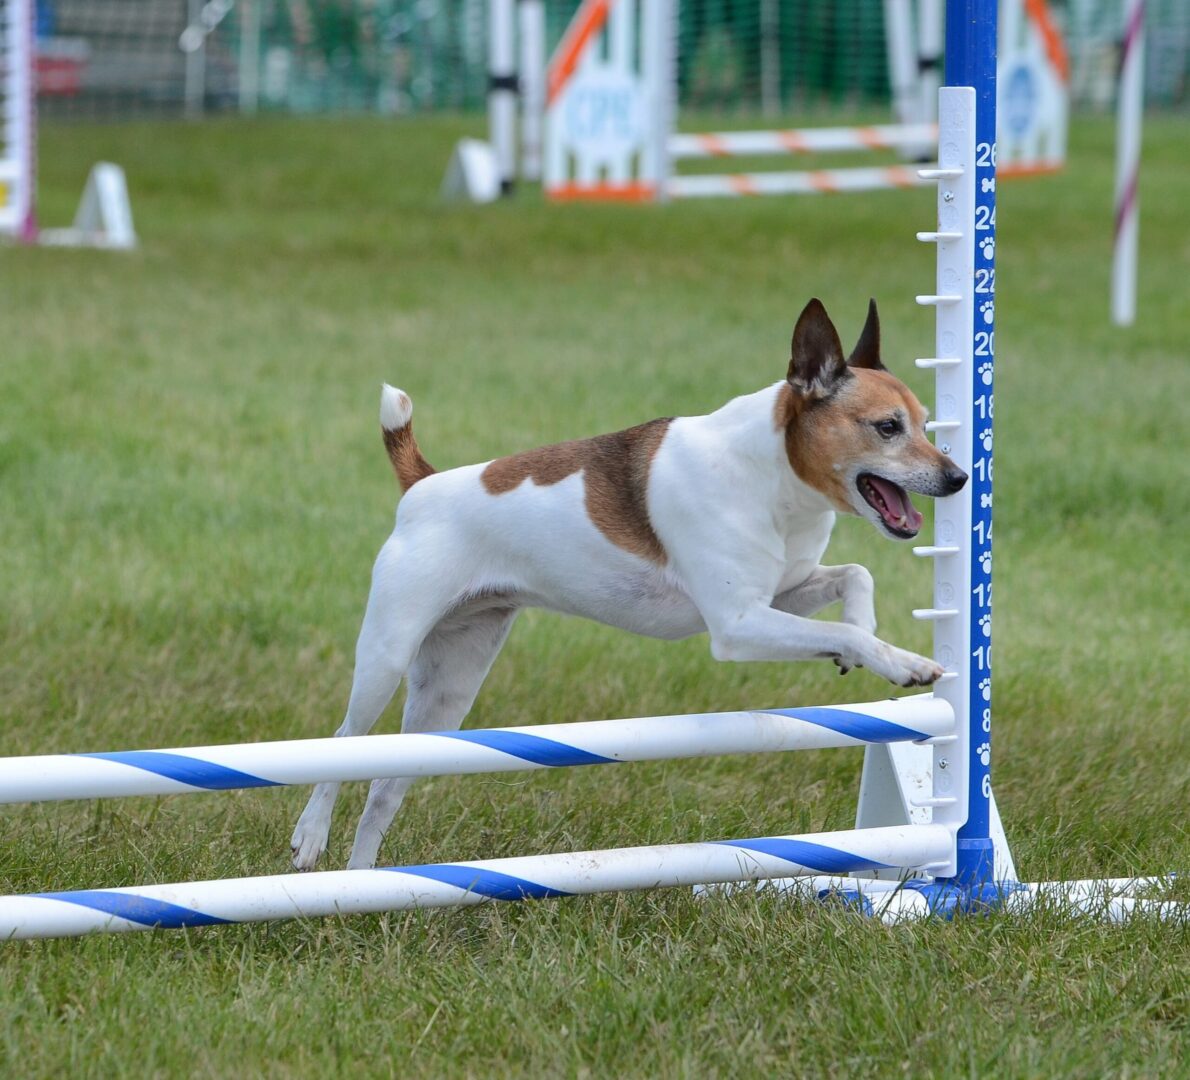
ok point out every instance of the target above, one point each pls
(473, 174)
(104, 216)
(894, 789)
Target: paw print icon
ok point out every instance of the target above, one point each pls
(985, 624)
(985, 438)
(987, 247)
(985, 562)
(984, 750)
(985, 373)
(985, 689)
(988, 310)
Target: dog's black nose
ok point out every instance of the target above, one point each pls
(954, 478)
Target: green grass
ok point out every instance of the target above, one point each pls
(192, 491)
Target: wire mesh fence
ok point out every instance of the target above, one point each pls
(127, 58)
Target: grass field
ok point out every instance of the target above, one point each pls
(192, 490)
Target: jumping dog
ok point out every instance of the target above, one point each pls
(709, 524)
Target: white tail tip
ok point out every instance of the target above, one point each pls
(396, 410)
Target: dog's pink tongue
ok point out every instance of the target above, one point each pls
(901, 511)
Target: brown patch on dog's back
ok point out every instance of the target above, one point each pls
(822, 432)
(615, 472)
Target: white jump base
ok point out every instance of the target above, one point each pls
(1106, 899)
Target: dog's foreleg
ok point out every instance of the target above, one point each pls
(760, 632)
(444, 680)
(826, 585)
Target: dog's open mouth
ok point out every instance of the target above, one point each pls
(892, 503)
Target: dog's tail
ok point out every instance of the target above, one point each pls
(396, 428)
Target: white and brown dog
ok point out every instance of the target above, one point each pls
(701, 523)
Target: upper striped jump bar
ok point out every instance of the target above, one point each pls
(603, 742)
(803, 141)
(799, 182)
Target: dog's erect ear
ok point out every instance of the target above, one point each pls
(816, 364)
(866, 353)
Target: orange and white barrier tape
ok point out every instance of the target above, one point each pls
(803, 182)
(803, 141)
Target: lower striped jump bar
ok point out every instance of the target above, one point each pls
(368, 757)
(535, 877)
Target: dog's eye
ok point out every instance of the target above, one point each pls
(889, 428)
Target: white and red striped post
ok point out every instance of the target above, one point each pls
(1129, 112)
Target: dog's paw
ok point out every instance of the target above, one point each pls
(307, 846)
(908, 669)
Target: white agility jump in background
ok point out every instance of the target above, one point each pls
(611, 109)
(104, 216)
(927, 840)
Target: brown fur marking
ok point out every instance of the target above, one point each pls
(822, 432)
(615, 472)
(405, 455)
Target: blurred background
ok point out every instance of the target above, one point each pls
(111, 59)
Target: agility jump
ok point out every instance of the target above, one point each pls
(611, 110)
(911, 855)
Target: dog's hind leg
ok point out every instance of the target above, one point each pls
(388, 641)
(444, 680)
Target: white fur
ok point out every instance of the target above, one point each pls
(744, 538)
(396, 409)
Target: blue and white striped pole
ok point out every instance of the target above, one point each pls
(535, 877)
(603, 742)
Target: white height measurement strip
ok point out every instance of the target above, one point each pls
(955, 388)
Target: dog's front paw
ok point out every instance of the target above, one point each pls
(908, 669)
(307, 846)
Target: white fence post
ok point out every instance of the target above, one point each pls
(532, 85)
(1129, 116)
(502, 88)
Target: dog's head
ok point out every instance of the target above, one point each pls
(856, 433)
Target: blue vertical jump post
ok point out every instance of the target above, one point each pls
(971, 28)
